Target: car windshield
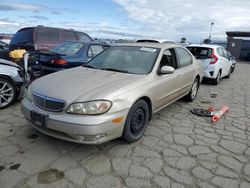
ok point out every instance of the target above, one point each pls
(68, 48)
(200, 52)
(126, 59)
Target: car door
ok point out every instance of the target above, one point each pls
(224, 65)
(227, 62)
(186, 70)
(166, 86)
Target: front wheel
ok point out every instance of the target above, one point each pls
(229, 73)
(136, 121)
(194, 90)
(8, 93)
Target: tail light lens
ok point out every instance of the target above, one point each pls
(214, 58)
(59, 62)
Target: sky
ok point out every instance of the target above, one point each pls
(131, 19)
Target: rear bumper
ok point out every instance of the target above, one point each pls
(77, 128)
(210, 72)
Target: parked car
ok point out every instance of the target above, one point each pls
(215, 61)
(4, 50)
(114, 95)
(11, 83)
(44, 38)
(64, 56)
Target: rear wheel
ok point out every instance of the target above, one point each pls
(194, 90)
(136, 121)
(8, 93)
(217, 79)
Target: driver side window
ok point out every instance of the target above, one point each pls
(168, 59)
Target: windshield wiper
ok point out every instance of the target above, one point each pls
(116, 70)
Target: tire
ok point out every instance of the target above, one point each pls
(229, 73)
(232, 70)
(8, 93)
(217, 79)
(194, 90)
(136, 121)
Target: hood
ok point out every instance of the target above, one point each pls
(6, 62)
(82, 84)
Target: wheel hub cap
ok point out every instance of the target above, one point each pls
(6, 93)
(194, 90)
(137, 121)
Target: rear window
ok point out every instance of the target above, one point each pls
(68, 48)
(23, 36)
(47, 34)
(200, 52)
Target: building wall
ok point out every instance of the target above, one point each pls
(239, 48)
(234, 47)
(245, 50)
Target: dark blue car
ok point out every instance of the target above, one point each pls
(66, 55)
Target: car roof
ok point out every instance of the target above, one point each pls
(90, 42)
(149, 44)
(204, 45)
(147, 40)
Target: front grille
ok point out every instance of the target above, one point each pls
(48, 103)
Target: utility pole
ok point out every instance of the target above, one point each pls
(210, 33)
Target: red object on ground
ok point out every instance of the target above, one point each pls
(219, 113)
(211, 109)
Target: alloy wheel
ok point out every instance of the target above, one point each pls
(6, 93)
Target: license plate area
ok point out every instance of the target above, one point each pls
(39, 119)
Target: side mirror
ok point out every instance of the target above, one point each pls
(167, 70)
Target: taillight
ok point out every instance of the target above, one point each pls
(59, 62)
(214, 58)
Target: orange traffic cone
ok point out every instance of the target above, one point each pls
(217, 115)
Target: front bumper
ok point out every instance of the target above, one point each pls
(77, 128)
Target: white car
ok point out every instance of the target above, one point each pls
(11, 83)
(215, 60)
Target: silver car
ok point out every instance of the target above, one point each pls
(11, 83)
(114, 95)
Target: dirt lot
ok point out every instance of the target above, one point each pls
(179, 149)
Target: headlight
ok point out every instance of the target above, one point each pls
(90, 108)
